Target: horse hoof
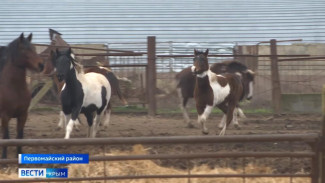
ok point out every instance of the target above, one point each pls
(205, 132)
(222, 133)
(58, 128)
(237, 126)
(190, 125)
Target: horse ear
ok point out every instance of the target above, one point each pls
(69, 51)
(21, 37)
(71, 54)
(206, 52)
(29, 38)
(195, 51)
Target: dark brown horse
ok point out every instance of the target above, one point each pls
(15, 97)
(223, 91)
(186, 82)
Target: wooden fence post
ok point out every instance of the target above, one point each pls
(276, 87)
(47, 86)
(151, 75)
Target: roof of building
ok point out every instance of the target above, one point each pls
(114, 21)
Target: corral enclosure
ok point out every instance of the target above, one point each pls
(142, 126)
(226, 28)
(301, 80)
(167, 99)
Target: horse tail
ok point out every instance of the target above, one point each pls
(111, 77)
(178, 80)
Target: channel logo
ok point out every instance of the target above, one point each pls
(43, 173)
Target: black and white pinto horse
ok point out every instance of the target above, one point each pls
(186, 83)
(88, 93)
(223, 91)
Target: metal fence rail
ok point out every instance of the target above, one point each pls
(162, 176)
(311, 139)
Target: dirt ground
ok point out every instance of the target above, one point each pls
(42, 125)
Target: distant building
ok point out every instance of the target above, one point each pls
(111, 21)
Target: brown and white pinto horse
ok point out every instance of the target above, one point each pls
(223, 91)
(186, 83)
(15, 97)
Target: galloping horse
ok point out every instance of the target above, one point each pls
(88, 93)
(49, 69)
(186, 82)
(15, 97)
(223, 91)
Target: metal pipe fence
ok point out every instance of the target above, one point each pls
(310, 139)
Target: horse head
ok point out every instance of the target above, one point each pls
(200, 62)
(25, 54)
(248, 80)
(246, 74)
(63, 61)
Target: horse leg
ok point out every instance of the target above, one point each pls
(235, 118)
(5, 133)
(62, 119)
(21, 121)
(96, 124)
(224, 109)
(203, 117)
(90, 119)
(222, 122)
(107, 115)
(185, 113)
(69, 129)
(69, 126)
(183, 102)
(77, 124)
(230, 115)
(241, 113)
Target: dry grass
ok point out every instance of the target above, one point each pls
(148, 167)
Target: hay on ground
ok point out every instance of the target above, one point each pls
(148, 167)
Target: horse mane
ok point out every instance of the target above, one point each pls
(10, 50)
(234, 65)
(77, 65)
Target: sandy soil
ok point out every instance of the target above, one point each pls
(43, 125)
